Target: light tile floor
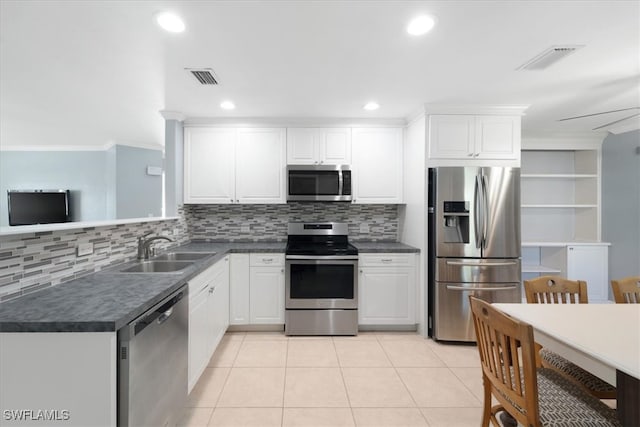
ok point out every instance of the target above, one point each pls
(373, 379)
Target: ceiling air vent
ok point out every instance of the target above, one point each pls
(549, 57)
(205, 76)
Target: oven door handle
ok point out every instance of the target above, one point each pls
(322, 258)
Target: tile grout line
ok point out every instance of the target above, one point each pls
(284, 384)
(346, 391)
(215, 408)
(395, 369)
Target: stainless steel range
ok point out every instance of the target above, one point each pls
(321, 280)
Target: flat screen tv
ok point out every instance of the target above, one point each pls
(27, 207)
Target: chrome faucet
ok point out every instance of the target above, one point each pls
(144, 244)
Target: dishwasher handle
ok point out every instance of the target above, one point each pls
(159, 313)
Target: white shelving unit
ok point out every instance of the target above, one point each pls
(560, 214)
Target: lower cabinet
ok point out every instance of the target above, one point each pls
(590, 263)
(387, 289)
(208, 316)
(257, 290)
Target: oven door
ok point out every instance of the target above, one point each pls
(316, 283)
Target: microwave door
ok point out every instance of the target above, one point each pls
(501, 200)
(458, 214)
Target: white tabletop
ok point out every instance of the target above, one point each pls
(599, 337)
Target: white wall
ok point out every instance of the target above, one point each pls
(413, 213)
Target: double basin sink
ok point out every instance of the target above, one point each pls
(171, 262)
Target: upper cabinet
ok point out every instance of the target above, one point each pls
(474, 137)
(209, 165)
(245, 165)
(377, 165)
(315, 146)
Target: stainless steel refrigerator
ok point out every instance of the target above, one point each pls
(474, 244)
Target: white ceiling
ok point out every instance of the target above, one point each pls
(95, 72)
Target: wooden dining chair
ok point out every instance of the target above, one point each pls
(555, 290)
(627, 290)
(533, 396)
(558, 290)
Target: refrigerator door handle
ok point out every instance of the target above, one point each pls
(478, 288)
(485, 210)
(481, 264)
(477, 215)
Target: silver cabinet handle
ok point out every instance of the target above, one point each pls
(267, 260)
(282, 270)
(483, 264)
(360, 271)
(237, 200)
(386, 260)
(493, 288)
(231, 200)
(470, 154)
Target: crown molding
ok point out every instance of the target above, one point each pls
(104, 147)
(254, 122)
(172, 115)
(475, 109)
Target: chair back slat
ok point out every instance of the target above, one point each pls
(506, 349)
(555, 290)
(627, 290)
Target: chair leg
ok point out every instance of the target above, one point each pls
(486, 411)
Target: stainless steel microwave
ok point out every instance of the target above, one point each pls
(319, 183)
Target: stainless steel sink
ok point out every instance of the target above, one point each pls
(158, 267)
(182, 256)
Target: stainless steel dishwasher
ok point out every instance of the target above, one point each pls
(152, 364)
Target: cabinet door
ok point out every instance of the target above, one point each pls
(209, 171)
(239, 290)
(377, 164)
(302, 146)
(451, 136)
(590, 263)
(260, 166)
(497, 137)
(219, 304)
(266, 300)
(335, 146)
(386, 296)
(200, 329)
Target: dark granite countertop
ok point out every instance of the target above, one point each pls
(108, 300)
(381, 247)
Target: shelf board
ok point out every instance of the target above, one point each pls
(550, 244)
(556, 206)
(559, 175)
(531, 268)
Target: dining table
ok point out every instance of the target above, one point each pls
(603, 339)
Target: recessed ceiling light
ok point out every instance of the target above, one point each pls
(170, 22)
(370, 106)
(227, 105)
(421, 25)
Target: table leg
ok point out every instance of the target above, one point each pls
(628, 406)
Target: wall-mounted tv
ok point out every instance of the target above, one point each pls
(27, 207)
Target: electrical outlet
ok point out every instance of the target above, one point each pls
(84, 249)
(245, 228)
(364, 227)
(176, 231)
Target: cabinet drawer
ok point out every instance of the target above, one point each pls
(386, 259)
(202, 280)
(266, 260)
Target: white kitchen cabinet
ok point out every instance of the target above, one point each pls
(208, 316)
(209, 165)
(377, 165)
(590, 263)
(309, 146)
(266, 288)
(239, 290)
(244, 165)
(474, 137)
(387, 289)
(260, 166)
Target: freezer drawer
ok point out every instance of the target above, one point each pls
(453, 320)
(474, 270)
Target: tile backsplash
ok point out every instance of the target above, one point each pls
(269, 222)
(34, 261)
